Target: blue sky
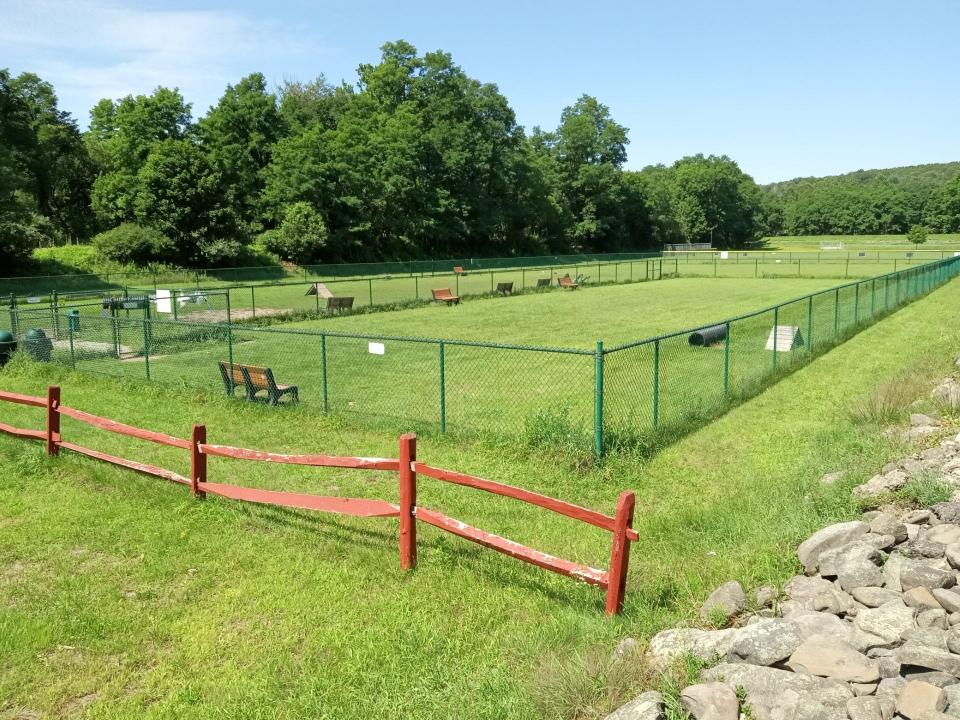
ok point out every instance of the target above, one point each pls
(785, 88)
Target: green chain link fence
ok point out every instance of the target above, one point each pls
(625, 396)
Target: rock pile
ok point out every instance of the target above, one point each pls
(870, 632)
(942, 460)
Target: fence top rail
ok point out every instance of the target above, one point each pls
(340, 461)
(754, 313)
(144, 468)
(561, 507)
(123, 429)
(19, 399)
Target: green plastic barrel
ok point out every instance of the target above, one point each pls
(38, 345)
(8, 344)
(73, 320)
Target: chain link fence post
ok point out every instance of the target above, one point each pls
(323, 373)
(598, 402)
(146, 347)
(443, 389)
(656, 384)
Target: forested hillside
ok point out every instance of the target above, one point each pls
(867, 202)
(416, 159)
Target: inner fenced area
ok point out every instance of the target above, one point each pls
(582, 382)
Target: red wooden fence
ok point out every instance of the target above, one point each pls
(613, 581)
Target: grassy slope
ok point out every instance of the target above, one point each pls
(867, 243)
(122, 597)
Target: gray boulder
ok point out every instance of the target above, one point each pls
(927, 657)
(948, 512)
(918, 698)
(874, 596)
(779, 694)
(710, 701)
(859, 567)
(648, 706)
(947, 393)
(828, 657)
(864, 708)
(809, 623)
(829, 537)
(888, 622)
(729, 598)
(915, 573)
(765, 642)
(945, 534)
(887, 524)
(704, 644)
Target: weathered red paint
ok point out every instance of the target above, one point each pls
(359, 507)
(139, 467)
(23, 399)
(123, 429)
(53, 419)
(577, 571)
(620, 554)
(23, 432)
(560, 507)
(408, 502)
(198, 461)
(360, 463)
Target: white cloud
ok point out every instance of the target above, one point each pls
(92, 50)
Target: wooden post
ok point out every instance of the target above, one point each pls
(198, 461)
(53, 419)
(619, 553)
(408, 502)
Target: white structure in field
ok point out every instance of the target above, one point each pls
(831, 245)
(164, 305)
(784, 338)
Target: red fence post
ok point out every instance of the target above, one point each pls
(198, 461)
(619, 553)
(53, 419)
(408, 502)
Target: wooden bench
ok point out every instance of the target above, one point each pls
(444, 295)
(543, 282)
(255, 380)
(505, 288)
(459, 270)
(567, 282)
(338, 304)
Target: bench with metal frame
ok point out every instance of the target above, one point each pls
(567, 282)
(444, 295)
(505, 288)
(339, 304)
(255, 380)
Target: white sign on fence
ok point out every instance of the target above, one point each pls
(163, 301)
(376, 348)
(724, 255)
(787, 338)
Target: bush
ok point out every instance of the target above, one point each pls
(128, 243)
(301, 236)
(917, 234)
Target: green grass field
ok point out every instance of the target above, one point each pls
(120, 597)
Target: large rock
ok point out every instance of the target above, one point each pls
(864, 708)
(781, 695)
(710, 701)
(827, 538)
(887, 524)
(947, 393)
(805, 589)
(648, 706)
(765, 642)
(827, 657)
(881, 484)
(948, 512)
(915, 573)
(729, 598)
(888, 622)
(918, 698)
(874, 597)
(860, 567)
(928, 657)
(809, 623)
(704, 644)
(921, 598)
(945, 534)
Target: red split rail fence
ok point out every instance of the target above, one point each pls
(612, 581)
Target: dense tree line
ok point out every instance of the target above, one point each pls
(416, 159)
(867, 202)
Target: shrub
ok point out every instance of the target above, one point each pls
(128, 243)
(917, 234)
(301, 237)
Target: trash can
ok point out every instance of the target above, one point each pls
(73, 320)
(38, 345)
(8, 344)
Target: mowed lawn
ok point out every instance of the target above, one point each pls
(578, 318)
(120, 597)
(935, 241)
